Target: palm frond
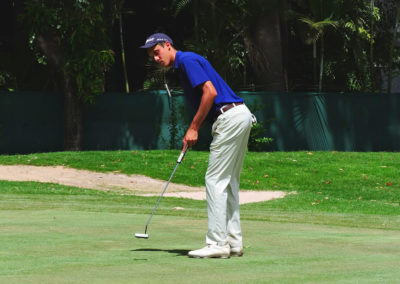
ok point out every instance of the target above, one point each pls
(320, 25)
(179, 5)
(317, 28)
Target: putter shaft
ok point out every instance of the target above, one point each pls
(162, 193)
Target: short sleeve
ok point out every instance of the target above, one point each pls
(194, 72)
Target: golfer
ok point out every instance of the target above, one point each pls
(210, 95)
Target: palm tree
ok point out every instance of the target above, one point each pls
(316, 32)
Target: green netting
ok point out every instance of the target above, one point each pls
(33, 122)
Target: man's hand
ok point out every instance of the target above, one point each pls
(190, 138)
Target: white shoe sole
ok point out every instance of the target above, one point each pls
(223, 257)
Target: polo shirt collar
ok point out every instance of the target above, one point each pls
(177, 55)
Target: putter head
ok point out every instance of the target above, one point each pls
(141, 236)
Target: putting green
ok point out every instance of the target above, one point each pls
(67, 246)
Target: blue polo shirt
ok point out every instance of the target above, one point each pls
(195, 70)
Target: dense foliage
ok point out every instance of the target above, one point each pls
(78, 32)
(307, 45)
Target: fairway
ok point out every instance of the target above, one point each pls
(73, 246)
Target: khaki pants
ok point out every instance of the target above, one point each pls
(230, 133)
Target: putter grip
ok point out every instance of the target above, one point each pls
(182, 155)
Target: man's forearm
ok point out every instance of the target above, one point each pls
(206, 103)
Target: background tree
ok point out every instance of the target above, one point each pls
(358, 38)
(388, 41)
(348, 51)
(312, 32)
(254, 44)
(72, 38)
(19, 68)
(242, 38)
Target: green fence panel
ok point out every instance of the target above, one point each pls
(331, 121)
(33, 122)
(135, 121)
(30, 122)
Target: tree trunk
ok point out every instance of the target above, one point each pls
(266, 52)
(196, 20)
(73, 108)
(121, 38)
(314, 65)
(73, 116)
(371, 48)
(321, 67)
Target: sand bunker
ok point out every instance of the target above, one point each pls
(133, 184)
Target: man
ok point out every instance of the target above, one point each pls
(208, 92)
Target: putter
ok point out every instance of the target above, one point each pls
(168, 91)
(145, 235)
(169, 95)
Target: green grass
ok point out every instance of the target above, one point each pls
(346, 230)
(58, 234)
(67, 246)
(337, 182)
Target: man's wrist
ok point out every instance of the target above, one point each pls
(194, 128)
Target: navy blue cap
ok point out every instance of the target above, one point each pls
(156, 38)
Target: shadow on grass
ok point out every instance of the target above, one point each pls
(178, 252)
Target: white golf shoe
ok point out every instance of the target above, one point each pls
(211, 251)
(236, 251)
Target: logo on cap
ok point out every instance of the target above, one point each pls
(156, 38)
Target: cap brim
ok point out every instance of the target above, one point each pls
(148, 45)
